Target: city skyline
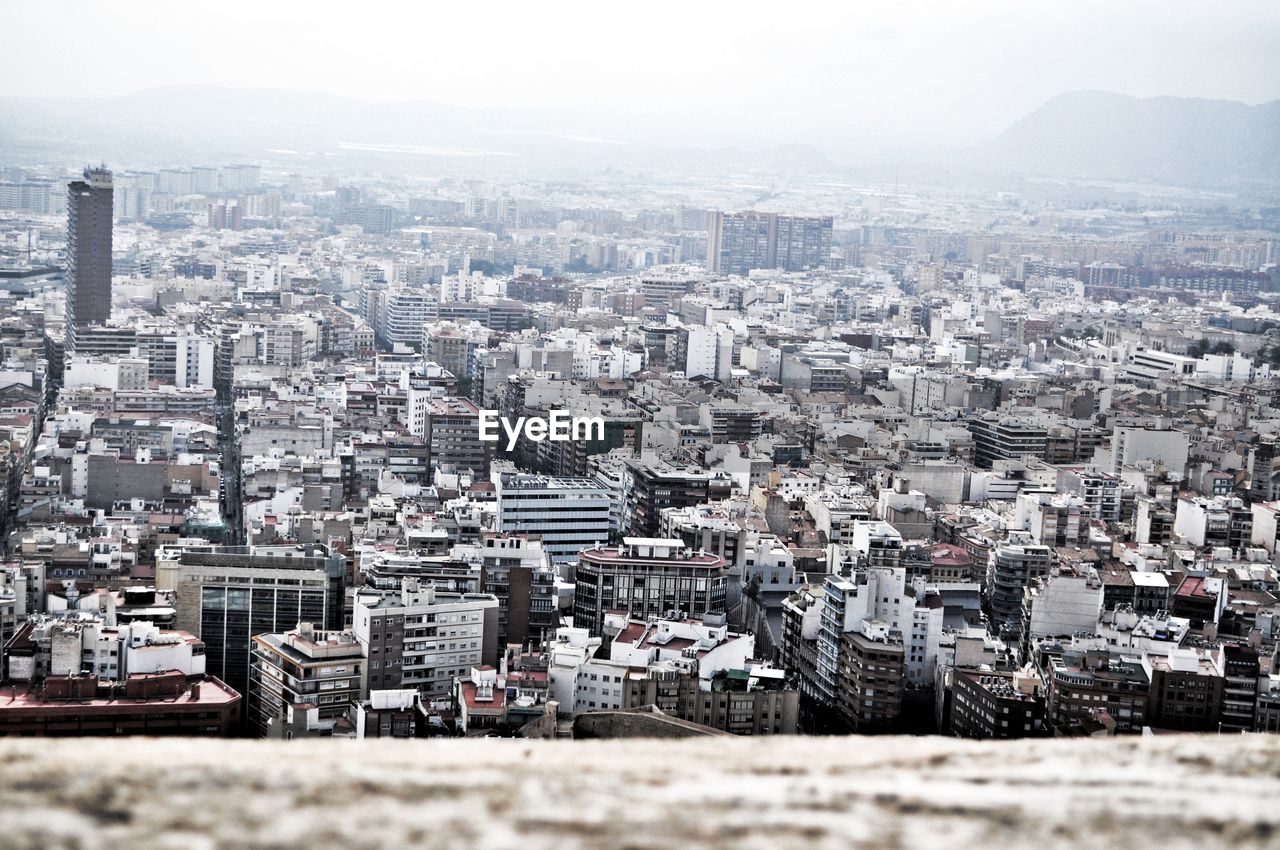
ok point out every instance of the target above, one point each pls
(807, 386)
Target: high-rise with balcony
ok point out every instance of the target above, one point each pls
(89, 209)
(519, 574)
(424, 638)
(303, 666)
(1013, 567)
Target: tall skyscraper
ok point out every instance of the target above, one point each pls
(742, 241)
(89, 209)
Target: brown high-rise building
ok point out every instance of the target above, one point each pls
(872, 680)
(89, 207)
(1263, 478)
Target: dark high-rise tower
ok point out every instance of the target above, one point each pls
(1266, 451)
(89, 206)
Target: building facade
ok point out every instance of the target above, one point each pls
(647, 577)
(89, 222)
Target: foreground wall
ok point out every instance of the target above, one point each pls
(1171, 792)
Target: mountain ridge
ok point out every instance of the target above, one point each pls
(1099, 135)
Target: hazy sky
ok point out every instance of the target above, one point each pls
(903, 72)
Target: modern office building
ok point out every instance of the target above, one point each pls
(653, 487)
(996, 438)
(566, 514)
(647, 577)
(89, 220)
(228, 594)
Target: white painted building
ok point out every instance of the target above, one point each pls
(577, 679)
(194, 363)
(1063, 604)
(705, 643)
(76, 642)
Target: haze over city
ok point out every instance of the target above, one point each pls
(864, 78)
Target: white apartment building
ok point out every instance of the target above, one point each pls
(577, 679)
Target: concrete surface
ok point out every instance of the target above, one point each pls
(1168, 792)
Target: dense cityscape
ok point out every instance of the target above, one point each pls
(688, 426)
(868, 458)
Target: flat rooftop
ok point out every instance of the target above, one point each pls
(213, 692)
(621, 555)
(550, 482)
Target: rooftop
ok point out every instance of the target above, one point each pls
(621, 554)
(1193, 587)
(25, 697)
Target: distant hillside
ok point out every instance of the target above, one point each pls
(1178, 141)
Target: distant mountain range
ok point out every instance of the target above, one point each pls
(1169, 140)
(1080, 136)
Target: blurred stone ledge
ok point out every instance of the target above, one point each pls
(1168, 792)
